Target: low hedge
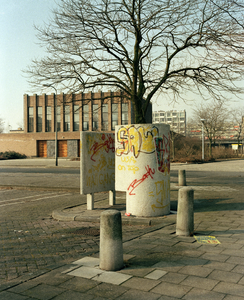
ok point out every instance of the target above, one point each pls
(11, 155)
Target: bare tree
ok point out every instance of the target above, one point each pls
(214, 116)
(142, 47)
(237, 117)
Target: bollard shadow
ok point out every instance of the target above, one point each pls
(212, 204)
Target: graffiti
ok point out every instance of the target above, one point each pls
(161, 193)
(136, 140)
(102, 163)
(95, 179)
(132, 168)
(162, 145)
(107, 144)
(127, 159)
(135, 183)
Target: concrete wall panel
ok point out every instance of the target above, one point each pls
(97, 156)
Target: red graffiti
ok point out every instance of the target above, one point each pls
(108, 144)
(135, 183)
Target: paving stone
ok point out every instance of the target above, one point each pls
(171, 289)
(135, 295)
(173, 277)
(167, 298)
(23, 287)
(79, 284)
(52, 278)
(225, 276)
(85, 272)
(196, 270)
(239, 269)
(142, 284)
(156, 274)
(230, 288)
(236, 260)
(87, 262)
(200, 294)
(231, 297)
(112, 277)
(136, 271)
(216, 257)
(168, 266)
(241, 281)
(11, 296)
(204, 283)
(233, 252)
(219, 265)
(74, 296)
(192, 261)
(43, 292)
(107, 290)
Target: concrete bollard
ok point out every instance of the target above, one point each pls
(111, 247)
(182, 178)
(185, 212)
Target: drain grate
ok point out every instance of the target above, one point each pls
(87, 231)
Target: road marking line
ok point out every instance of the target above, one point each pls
(34, 199)
(24, 197)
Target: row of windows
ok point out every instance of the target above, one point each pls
(169, 114)
(76, 118)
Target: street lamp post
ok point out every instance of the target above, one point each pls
(202, 120)
(55, 123)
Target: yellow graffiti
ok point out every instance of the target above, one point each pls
(162, 193)
(128, 159)
(147, 135)
(132, 168)
(136, 140)
(121, 167)
(99, 179)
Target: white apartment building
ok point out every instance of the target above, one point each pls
(176, 119)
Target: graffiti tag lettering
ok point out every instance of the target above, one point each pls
(161, 193)
(107, 144)
(162, 145)
(135, 183)
(136, 140)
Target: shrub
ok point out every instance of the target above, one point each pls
(11, 155)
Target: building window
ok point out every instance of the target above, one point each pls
(48, 118)
(105, 117)
(95, 117)
(85, 111)
(114, 115)
(30, 119)
(66, 118)
(39, 119)
(58, 118)
(125, 113)
(76, 118)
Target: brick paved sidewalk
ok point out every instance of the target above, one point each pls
(159, 265)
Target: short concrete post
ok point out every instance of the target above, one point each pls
(185, 213)
(112, 197)
(111, 247)
(182, 178)
(90, 201)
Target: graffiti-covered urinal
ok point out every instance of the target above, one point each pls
(142, 168)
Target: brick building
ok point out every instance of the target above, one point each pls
(75, 112)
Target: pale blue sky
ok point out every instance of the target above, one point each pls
(18, 46)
